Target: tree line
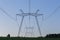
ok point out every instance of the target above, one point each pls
(47, 36)
(52, 36)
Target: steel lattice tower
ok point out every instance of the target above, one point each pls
(29, 14)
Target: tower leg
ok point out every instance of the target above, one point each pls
(38, 25)
(20, 26)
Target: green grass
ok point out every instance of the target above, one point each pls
(21, 38)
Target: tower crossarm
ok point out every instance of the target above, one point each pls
(36, 14)
(23, 14)
(29, 14)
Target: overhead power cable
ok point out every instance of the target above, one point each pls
(10, 16)
(7, 14)
(53, 13)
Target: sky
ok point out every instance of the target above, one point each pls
(49, 25)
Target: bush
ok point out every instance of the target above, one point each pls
(8, 35)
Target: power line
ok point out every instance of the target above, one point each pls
(52, 13)
(7, 14)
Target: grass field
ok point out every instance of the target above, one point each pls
(23, 38)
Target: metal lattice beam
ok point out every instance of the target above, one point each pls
(20, 26)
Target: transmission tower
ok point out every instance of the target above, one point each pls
(29, 14)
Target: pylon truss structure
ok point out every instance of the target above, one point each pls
(29, 31)
(29, 14)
